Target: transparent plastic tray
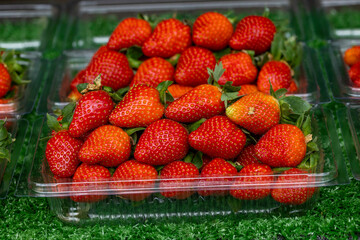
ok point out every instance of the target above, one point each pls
(18, 129)
(27, 26)
(37, 180)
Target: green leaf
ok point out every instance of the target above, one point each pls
(276, 46)
(230, 88)
(3, 133)
(108, 89)
(266, 12)
(306, 126)
(296, 104)
(133, 54)
(281, 92)
(4, 153)
(312, 146)
(68, 113)
(53, 123)
(165, 95)
(131, 131)
(198, 160)
(119, 94)
(81, 87)
(192, 127)
(234, 204)
(174, 59)
(188, 158)
(281, 169)
(236, 165)
(310, 161)
(221, 53)
(159, 168)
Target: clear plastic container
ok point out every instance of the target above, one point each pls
(18, 130)
(27, 26)
(37, 180)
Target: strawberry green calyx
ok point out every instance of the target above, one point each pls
(63, 123)
(13, 62)
(118, 95)
(192, 127)
(133, 54)
(236, 165)
(87, 87)
(165, 95)
(5, 141)
(195, 158)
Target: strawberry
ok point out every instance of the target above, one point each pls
(182, 187)
(354, 74)
(352, 55)
(98, 52)
(107, 145)
(74, 95)
(218, 137)
(239, 69)
(293, 195)
(277, 73)
(129, 32)
(114, 69)
(78, 79)
(140, 107)
(247, 89)
(62, 154)
(293, 88)
(85, 180)
(212, 176)
(251, 184)
(177, 90)
(133, 176)
(92, 111)
(153, 71)
(170, 37)
(247, 156)
(5, 80)
(253, 33)
(191, 69)
(256, 112)
(162, 142)
(212, 30)
(283, 145)
(203, 101)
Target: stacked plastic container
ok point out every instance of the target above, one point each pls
(15, 20)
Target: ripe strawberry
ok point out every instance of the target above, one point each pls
(177, 90)
(293, 195)
(62, 154)
(191, 69)
(239, 69)
(92, 111)
(170, 37)
(282, 146)
(218, 137)
(129, 32)
(256, 112)
(293, 88)
(251, 186)
(162, 142)
(107, 145)
(247, 156)
(212, 181)
(182, 187)
(278, 73)
(154, 71)
(354, 74)
(98, 52)
(5, 80)
(78, 79)
(140, 107)
(253, 33)
(247, 89)
(85, 180)
(212, 30)
(114, 69)
(133, 176)
(352, 55)
(203, 101)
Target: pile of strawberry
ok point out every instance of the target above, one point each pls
(132, 125)
(352, 59)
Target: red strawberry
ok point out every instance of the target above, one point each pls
(354, 74)
(203, 101)
(191, 69)
(247, 156)
(212, 30)
(170, 37)
(256, 112)
(278, 73)
(92, 111)
(5, 80)
(78, 79)
(178, 91)
(293, 88)
(293, 195)
(253, 33)
(218, 137)
(212, 180)
(107, 145)
(154, 71)
(62, 154)
(129, 32)
(251, 186)
(85, 180)
(98, 52)
(114, 69)
(179, 189)
(162, 142)
(140, 107)
(247, 89)
(282, 146)
(352, 55)
(239, 69)
(133, 176)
